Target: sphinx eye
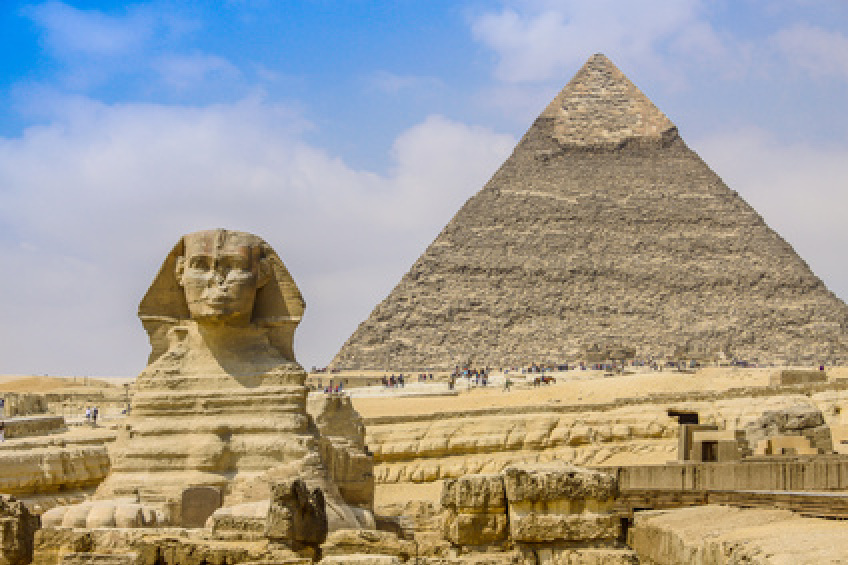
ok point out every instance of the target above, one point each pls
(199, 262)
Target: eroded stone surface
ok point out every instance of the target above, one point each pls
(721, 535)
(367, 542)
(221, 407)
(602, 229)
(475, 510)
(296, 516)
(17, 530)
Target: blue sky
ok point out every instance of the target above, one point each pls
(348, 133)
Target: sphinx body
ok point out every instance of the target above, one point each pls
(222, 402)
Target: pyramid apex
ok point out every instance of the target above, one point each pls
(600, 106)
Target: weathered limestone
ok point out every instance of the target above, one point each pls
(49, 467)
(363, 559)
(17, 530)
(296, 517)
(602, 228)
(550, 514)
(21, 404)
(721, 535)
(346, 543)
(561, 503)
(798, 420)
(343, 449)
(475, 510)
(29, 426)
(798, 376)
(156, 546)
(219, 415)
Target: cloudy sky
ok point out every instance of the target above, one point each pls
(348, 132)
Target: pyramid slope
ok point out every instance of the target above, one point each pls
(600, 106)
(611, 240)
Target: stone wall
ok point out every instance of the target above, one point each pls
(432, 447)
(22, 404)
(548, 514)
(52, 468)
(781, 473)
(29, 426)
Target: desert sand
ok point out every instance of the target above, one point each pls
(573, 387)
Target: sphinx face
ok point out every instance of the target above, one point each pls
(220, 276)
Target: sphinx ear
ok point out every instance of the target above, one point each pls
(263, 274)
(179, 269)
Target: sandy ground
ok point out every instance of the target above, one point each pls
(584, 387)
(19, 383)
(572, 387)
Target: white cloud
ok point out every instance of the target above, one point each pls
(814, 50)
(183, 72)
(543, 40)
(800, 190)
(91, 203)
(69, 31)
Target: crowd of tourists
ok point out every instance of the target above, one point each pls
(333, 389)
(394, 381)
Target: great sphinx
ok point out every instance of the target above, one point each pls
(221, 406)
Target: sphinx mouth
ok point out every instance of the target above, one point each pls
(218, 300)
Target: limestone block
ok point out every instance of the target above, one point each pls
(17, 531)
(43, 468)
(296, 516)
(479, 558)
(367, 542)
(360, 560)
(801, 418)
(86, 558)
(474, 510)
(554, 555)
(723, 535)
(551, 482)
(559, 502)
(242, 519)
(471, 492)
(535, 525)
(475, 529)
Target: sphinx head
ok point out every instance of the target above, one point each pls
(220, 272)
(227, 278)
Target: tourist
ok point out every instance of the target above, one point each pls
(87, 414)
(2, 432)
(94, 415)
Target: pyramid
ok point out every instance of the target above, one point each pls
(601, 233)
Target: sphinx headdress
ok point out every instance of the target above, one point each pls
(278, 306)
